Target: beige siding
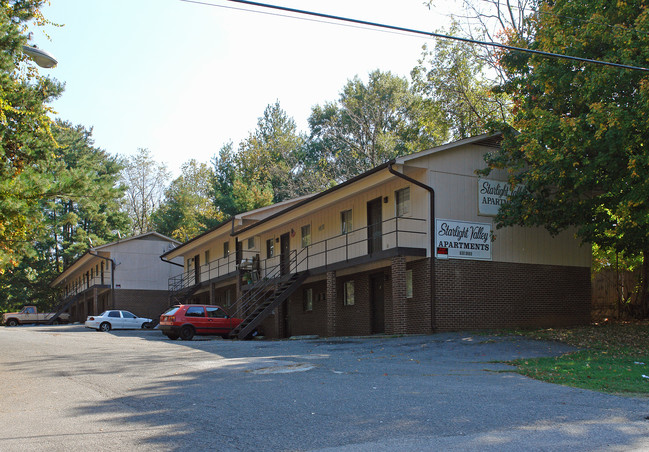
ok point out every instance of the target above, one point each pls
(139, 265)
(452, 175)
(325, 221)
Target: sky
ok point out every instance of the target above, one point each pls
(182, 79)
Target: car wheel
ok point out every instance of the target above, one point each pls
(146, 325)
(187, 333)
(173, 337)
(105, 327)
(12, 322)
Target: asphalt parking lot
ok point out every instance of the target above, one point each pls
(68, 387)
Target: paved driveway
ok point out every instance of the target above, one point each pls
(66, 387)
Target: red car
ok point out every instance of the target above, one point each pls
(186, 320)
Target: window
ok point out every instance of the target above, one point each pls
(349, 293)
(402, 201)
(216, 312)
(207, 256)
(306, 235)
(408, 283)
(270, 248)
(113, 314)
(226, 249)
(251, 243)
(228, 297)
(307, 300)
(346, 221)
(128, 315)
(195, 311)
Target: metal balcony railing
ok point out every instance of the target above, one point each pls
(78, 288)
(391, 233)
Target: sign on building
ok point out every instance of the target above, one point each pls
(462, 240)
(492, 194)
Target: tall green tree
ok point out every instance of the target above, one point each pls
(370, 123)
(26, 143)
(90, 215)
(145, 180)
(456, 93)
(87, 213)
(270, 165)
(269, 155)
(581, 130)
(188, 208)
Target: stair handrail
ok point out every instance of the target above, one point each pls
(259, 290)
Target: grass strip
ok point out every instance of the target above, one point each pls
(612, 358)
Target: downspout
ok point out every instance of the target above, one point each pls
(112, 277)
(431, 191)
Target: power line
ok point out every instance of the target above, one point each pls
(428, 33)
(288, 16)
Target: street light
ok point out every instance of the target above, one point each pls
(40, 57)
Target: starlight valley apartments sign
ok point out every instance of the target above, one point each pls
(469, 240)
(493, 193)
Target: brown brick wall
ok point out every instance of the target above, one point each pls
(334, 315)
(143, 303)
(398, 294)
(301, 322)
(418, 308)
(469, 295)
(476, 294)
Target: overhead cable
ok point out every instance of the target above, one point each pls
(429, 34)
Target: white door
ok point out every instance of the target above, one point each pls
(130, 320)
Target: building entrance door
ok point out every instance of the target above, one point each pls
(285, 253)
(374, 231)
(197, 269)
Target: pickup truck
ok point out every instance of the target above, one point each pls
(29, 314)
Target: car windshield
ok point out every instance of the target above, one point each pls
(102, 314)
(171, 311)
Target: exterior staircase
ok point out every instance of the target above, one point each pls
(257, 304)
(61, 308)
(180, 296)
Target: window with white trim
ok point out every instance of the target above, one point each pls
(346, 221)
(306, 235)
(307, 300)
(402, 198)
(348, 295)
(408, 283)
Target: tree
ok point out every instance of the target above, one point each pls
(187, 209)
(145, 180)
(456, 92)
(269, 155)
(90, 214)
(85, 214)
(581, 130)
(271, 165)
(26, 143)
(370, 124)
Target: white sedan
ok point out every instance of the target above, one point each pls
(117, 320)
